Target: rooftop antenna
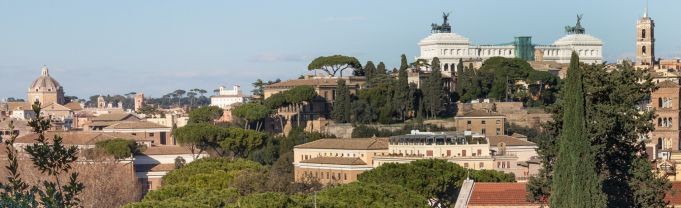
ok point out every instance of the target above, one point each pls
(645, 12)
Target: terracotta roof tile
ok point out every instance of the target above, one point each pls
(674, 198)
(668, 84)
(135, 125)
(76, 137)
(115, 117)
(74, 106)
(347, 144)
(154, 167)
(335, 160)
(499, 194)
(18, 105)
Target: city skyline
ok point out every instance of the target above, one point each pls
(155, 48)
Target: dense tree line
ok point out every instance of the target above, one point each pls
(594, 142)
(222, 182)
(388, 100)
(501, 79)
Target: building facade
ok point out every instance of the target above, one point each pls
(332, 161)
(451, 48)
(226, 98)
(480, 122)
(45, 89)
(645, 41)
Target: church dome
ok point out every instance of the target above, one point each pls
(444, 39)
(578, 39)
(45, 83)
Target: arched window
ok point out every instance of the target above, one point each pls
(659, 121)
(643, 33)
(643, 49)
(659, 143)
(659, 102)
(446, 67)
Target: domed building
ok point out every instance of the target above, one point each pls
(451, 48)
(46, 89)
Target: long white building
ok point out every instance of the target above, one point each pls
(226, 98)
(450, 47)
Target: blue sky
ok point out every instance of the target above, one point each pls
(157, 46)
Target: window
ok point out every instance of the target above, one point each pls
(643, 49)
(498, 121)
(465, 165)
(479, 152)
(482, 165)
(468, 122)
(463, 153)
(429, 152)
(483, 122)
(151, 134)
(134, 134)
(643, 33)
(483, 130)
(345, 176)
(449, 153)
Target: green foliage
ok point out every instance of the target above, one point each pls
(491, 176)
(401, 99)
(268, 199)
(118, 148)
(369, 71)
(434, 99)
(342, 104)
(205, 182)
(576, 183)
(199, 137)
(252, 112)
(333, 64)
(53, 159)
(206, 114)
(498, 75)
(240, 142)
(360, 194)
(295, 95)
(418, 176)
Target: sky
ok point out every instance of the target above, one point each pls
(158, 46)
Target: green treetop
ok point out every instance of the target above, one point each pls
(575, 182)
(333, 64)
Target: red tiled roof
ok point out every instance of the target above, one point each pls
(499, 194)
(674, 198)
(347, 144)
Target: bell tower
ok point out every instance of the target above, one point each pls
(645, 41)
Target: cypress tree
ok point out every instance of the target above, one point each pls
(342, 103)
(380, 69)
(369, 70)
(461, 79)
(401, 99)
(575, 181)
(433, 93)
